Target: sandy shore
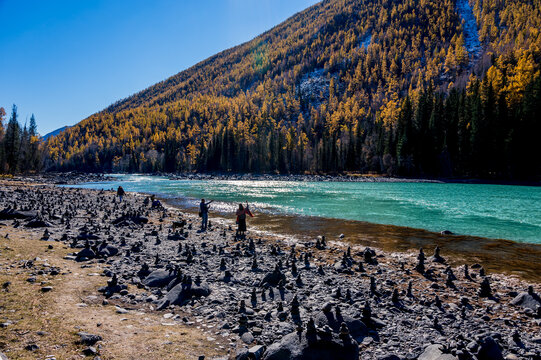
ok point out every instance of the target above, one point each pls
(150, 285)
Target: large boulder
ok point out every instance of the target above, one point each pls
(435, 352)
(85, 254)
(295, 346)
(159, 278)
(106, 250)
(526, 300)
(181, 293)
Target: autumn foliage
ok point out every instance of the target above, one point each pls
(346, 85)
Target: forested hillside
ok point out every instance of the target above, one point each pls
(403, 87)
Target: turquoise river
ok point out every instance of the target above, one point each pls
(489, 211)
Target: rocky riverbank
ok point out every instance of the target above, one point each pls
(57, 178)
(269, 296)
(293, 177)
(70, 178)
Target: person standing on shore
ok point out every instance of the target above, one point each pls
(204, 213)
(120, 193)
(241, 219)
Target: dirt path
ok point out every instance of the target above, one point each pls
(51, 320)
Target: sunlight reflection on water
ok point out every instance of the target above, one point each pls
(493, 211)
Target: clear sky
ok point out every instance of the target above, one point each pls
(65, 60)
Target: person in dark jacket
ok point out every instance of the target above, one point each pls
(120, 193)
(204, 213)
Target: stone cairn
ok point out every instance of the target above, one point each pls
(485, 290)
(421, 261)
(295, 310)
(437, 257)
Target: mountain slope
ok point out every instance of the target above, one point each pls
(379, 85)
(54, 132)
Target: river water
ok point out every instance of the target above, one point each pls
(490, 211)
(498, 226)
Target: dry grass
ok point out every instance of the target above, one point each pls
(51, 320)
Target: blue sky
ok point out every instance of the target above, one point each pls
(65, 60)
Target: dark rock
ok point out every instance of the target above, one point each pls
(247, 337)
(409, 292)
(159, 278)
(129, 219)
(489, 350)
(368, 319)
(485, 290)
(242, 354)
(256, 352)
(106, 250)
(88, 339)
(85, 254)
(175, 237)
(89, 351)
(182, 292)
(31, 347)
(143, 271)
(395, 298)
(420, 267)
(437, 257)
(295, 311)
(369, 256)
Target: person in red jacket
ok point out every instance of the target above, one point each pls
(241, 219)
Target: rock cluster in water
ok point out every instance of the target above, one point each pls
(282, 299)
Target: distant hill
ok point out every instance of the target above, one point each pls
(54, 132)
(420, 88)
